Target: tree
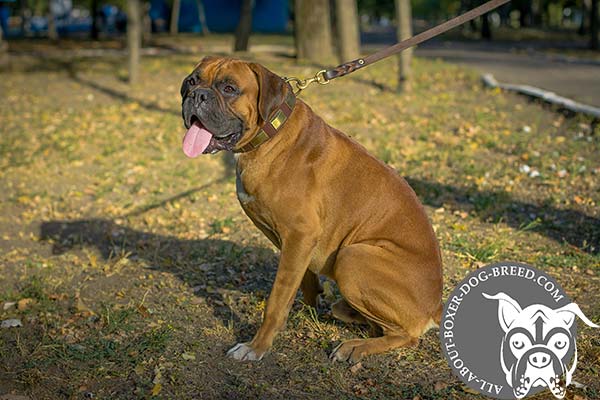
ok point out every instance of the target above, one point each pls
(202, 17)
(2, 44)
(486, 29)
(52, 33)
(346, 20)
(95, 18)
(594, 25)
(134, 38)
(146, 24)
(312, 28)
(404, 31)
(244, 28)
(174, 26)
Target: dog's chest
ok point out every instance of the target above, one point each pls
(242, 195)
(254, 207)
(250, 196)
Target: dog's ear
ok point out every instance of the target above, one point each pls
(508, 309)
(568, 313)
(271, 90)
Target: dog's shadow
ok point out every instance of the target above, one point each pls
(212, 267)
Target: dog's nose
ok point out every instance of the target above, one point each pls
(539, 359)
(201, 94)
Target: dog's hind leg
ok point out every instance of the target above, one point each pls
(354, 350)
(344, 312)
(400, 299)
(311, 288)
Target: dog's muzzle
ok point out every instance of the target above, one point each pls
(539, 366)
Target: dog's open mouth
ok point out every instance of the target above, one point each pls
(199, 140)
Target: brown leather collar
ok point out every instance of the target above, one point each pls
(270, 128)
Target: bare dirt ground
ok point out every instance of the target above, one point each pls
(133, 269)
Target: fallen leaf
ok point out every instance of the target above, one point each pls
(23, 304)
(139, 369)
(355, 368)
(143, 310)
(188, 356)
(8, 304)
(80, 306)
(370, 382)
(467, 389)
(156, 389)
(359, 390)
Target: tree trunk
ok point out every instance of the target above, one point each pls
(594, 25)
(583, 26)
(525, 12)
(134, 38)
(95, 15)
(202, 17)
(346, 16)
(536, 12)
(174, 27)
(52, 34)
(486, 29)
(147, 24)
(404, 31)
(244, 28)
(2, 44)
(312, 28)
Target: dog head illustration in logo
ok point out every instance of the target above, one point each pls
(536, 343)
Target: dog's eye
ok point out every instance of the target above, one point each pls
(559, 341)
(519, 341)
(517, 344)
(229, 89)
(560, 344)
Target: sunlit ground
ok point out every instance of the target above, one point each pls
(134, 269)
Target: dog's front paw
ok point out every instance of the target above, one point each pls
(245, 352)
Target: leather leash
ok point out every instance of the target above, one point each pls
(325, 76)
(280, 114)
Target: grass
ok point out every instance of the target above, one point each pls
(142, 270)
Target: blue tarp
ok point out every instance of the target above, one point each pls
(4, 14)
(269, 16)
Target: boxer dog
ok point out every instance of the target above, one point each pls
(329, 206)
(537, 344)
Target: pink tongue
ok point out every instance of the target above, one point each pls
(196, 140)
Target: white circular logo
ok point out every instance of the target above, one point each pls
(509, 330)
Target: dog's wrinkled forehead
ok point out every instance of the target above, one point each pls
(211, 70)
(547, 317)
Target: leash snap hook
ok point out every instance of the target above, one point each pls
(321, 78)
(297, 84)
(302, 84)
